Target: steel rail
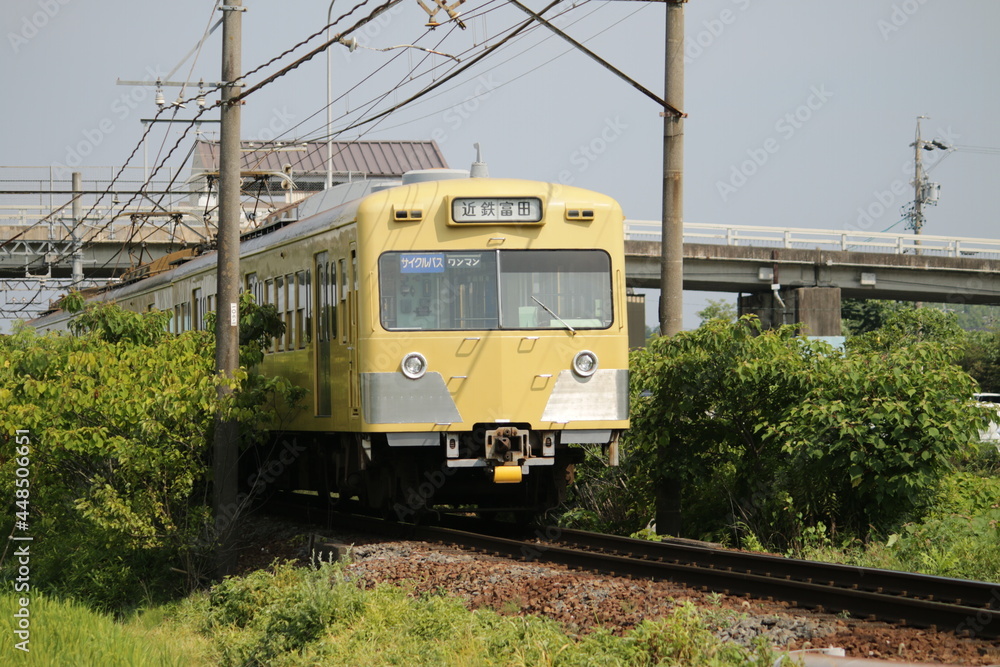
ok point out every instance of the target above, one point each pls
(895, 597)
(906, 584)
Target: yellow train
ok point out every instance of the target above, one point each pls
(456, 336)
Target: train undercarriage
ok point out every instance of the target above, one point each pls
(486, 471)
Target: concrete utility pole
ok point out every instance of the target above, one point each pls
(672, 238)
(918, 183)
(227, 333)
(329, 102)
(924, 192)
(668, 490)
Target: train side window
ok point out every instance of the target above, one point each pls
(331, 274)
(309, 306)
(197, 304)
(175, 321)
(252, 286)
(290, 329)
(301, 307)
(343, 297)
(322, 302)
(279, 303)
(343, 279)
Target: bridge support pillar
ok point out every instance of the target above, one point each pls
(817, 309)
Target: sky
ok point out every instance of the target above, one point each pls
(800, 114)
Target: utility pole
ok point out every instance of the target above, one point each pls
(75, 235)
(924, 192)
(672, 237)
(917, 220)
(224, 460)
(329, 102)
(668, 490)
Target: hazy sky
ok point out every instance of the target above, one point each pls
(800, 113)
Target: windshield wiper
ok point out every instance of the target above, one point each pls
(553, 314)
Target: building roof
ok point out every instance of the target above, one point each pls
(371, 158)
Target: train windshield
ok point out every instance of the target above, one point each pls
(495, 289)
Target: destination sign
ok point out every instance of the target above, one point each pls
(496, 209)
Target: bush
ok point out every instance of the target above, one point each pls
(119, 417)
(767, 435)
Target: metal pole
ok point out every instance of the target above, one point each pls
(227, 286)
(77, 274)
(672, 245)
(918, 182)
(329, 103)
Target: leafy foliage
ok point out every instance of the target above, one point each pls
(860, 316)
(698, 400)
(778, 438)
(869, 443)
(718, 309)
(120, 416)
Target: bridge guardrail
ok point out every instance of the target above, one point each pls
(821, 239)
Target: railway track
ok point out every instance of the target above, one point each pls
(965, 607)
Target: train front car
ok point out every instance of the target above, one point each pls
(496, 339)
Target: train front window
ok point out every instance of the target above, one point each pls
(555, 289)
(484, 290)
(438, 290)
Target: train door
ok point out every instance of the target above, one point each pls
(325, 299)
(354, 399)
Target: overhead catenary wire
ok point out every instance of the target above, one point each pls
(191, 123)
(364, 121)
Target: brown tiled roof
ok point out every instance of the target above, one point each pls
(372, 158)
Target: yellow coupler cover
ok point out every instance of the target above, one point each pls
(507, 474)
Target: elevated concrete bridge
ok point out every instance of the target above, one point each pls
(799, 275)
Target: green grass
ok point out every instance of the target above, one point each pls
(301, 616)
(293, 616)
(68, 633)
(959, 536)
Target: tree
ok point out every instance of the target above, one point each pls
(859, 316)
(868, 444)
(700, 402)
(769, 433)
(119, 416)
(718, 309)
(981, 359)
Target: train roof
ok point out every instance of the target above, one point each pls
(326, 209)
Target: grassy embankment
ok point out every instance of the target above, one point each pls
(311, 616)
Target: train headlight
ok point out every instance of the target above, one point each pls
(414, 365)
(585, 363)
